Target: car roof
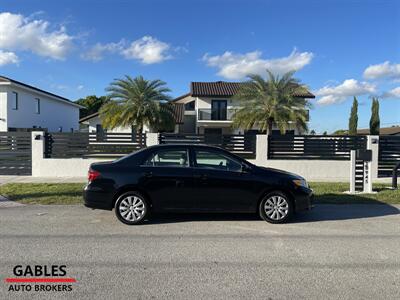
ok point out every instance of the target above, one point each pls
(177, 145)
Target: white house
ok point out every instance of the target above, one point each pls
(23, 107)
(92, 123)
(209, 108)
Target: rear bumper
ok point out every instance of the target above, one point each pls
(304, 198)
(97, 199)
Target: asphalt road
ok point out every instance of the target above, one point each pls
(346, 252)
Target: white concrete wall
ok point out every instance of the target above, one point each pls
(312, 170)
(3, 109)
(53, 113)
(57, 167)
(66, 167)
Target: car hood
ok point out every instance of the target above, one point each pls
(278, 172)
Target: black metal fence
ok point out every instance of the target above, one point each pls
(78, 144)
(242, 145)
(314, 146)
(15, 153)
(389, 154)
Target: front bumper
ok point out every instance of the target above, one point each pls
(304, 198)
(94, 198)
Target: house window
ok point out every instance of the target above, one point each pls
(14, 100)
(189, 105)
(37, 103)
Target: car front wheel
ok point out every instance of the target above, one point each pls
(276, 207)
(131, 208)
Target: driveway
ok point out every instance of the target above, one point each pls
(345, 251)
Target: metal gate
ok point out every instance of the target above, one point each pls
(15, 153)
(389, 154)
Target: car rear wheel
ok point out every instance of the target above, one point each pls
(131, 208)
(276, 207)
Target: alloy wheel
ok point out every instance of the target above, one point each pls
(276, 208)
(132, 208)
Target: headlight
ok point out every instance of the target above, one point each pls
(300, 182)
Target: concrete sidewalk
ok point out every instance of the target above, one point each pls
(30, 179)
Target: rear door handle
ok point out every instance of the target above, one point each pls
(148, 174)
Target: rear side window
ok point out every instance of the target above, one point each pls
(168, 158)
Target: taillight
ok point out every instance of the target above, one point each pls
(92, 175)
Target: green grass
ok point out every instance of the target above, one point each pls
(71, 193)
(43, 193)
(332, 193)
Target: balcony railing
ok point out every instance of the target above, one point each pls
(206, 114)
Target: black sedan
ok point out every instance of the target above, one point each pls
(193, 178)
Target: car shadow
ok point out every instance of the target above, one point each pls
(162, 218)
(321, 212)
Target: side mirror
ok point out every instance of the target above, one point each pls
(246, 168)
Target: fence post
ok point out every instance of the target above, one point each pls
(373, 144)
(352, 171)
(151, 138)
(261, 149)
(37, 151)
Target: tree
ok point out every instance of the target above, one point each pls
(312, 132)
(91, 103)
(272, 101)
(353, 120)
(325, 133)
(374, 123)
(137, 102)
(341, 132)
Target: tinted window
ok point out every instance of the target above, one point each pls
(214, 160)
(168, 158)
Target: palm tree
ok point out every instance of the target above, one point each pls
(265, 102)
(137, 102)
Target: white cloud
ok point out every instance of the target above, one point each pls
(383, 70)
(339, 93)
(147, 50)
(80, 87)
(22, 33)
(97, 52)
(393, 93)
(237, 66)
(8, 58)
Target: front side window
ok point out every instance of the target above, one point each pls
(217, 161)
(14, 100)
(37, 103)
(168, 158)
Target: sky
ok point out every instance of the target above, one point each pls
(338, 48)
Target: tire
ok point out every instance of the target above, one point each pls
(131, 208)
(276, 208)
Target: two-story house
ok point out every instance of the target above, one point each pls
(209, 108)
(24, 107)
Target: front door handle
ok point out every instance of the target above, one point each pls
(202, 176)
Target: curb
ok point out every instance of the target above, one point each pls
(5, 203)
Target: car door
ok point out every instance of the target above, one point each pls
(168, 179)
(220, 184)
